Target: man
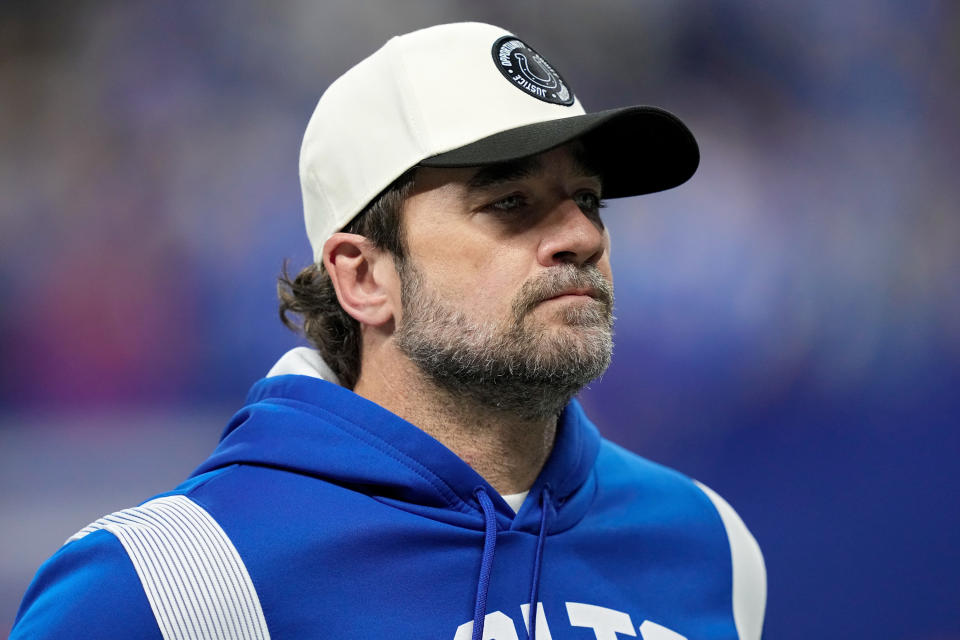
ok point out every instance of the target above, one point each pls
(452, 189)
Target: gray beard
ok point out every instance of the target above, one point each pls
(514, 366)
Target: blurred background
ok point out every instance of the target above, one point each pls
(788, 321)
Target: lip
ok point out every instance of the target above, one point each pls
(573, 293)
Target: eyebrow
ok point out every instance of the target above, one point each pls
(493, 174)
(500, 172)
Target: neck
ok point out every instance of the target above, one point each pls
(507, 450)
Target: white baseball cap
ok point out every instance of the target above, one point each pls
(468, 94)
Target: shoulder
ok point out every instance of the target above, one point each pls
(669, 496)
(620, 470)
(167, 565)
(749, 570)
(89, 588)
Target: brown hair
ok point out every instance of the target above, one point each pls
(311, 295)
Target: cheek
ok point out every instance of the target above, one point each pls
(484, 285)
(465, 264)
(482, 282)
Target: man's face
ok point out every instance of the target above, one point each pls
(506, 286)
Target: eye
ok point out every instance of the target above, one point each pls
(589, 202)
(508, 204)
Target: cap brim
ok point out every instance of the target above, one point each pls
(636, 149)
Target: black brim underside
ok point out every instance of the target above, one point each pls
(636, 149)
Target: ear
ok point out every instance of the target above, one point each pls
(364, 278)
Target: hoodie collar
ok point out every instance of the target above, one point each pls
(303, 361)
(297, 421)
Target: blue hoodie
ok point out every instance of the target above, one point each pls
(322, 515)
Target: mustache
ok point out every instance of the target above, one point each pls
(559, 280)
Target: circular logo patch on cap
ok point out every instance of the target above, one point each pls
(528, 71)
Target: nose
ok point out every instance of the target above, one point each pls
(570, 236)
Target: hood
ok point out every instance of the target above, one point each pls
(297, 422)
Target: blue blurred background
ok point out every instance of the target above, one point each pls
(788, 322)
